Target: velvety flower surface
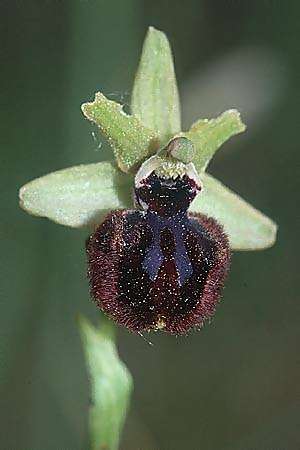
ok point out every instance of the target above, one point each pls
(124, 287)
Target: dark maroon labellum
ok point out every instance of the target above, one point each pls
(160, 267)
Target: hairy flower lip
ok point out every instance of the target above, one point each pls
(111, 266)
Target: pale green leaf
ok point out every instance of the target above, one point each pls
(77, 196)
(111, 384)
(131, 140)
(246, 227)
(155, 99)
(208, 135)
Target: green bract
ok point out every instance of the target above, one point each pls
(111, 384)
(81, 195)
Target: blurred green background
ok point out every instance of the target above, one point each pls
(233, 386)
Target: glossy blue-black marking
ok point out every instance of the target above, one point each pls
(167, 201)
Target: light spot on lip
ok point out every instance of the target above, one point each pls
(160, 324)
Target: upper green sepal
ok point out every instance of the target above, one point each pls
(78, 196)
(155, 99)
(111, 384)
(131, 140)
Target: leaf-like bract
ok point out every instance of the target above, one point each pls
(111, 384)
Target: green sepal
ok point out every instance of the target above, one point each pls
(246, 227)
(78, 196)
(155, 99)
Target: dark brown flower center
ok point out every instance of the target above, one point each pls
(166, 201)
(166, 196)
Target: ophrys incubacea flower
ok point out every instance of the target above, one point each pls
(159, 263)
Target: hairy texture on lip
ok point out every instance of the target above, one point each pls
(122, 287)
